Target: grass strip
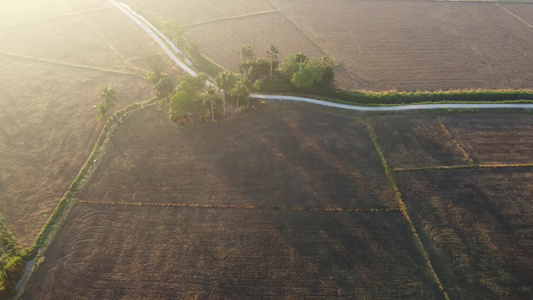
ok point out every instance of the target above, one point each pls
(225, 206)
(455, 142)
(403, 208)
(277, 86)
(11, 259)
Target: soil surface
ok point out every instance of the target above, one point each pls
(56, 56)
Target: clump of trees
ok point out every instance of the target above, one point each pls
(107, 103)
(303, 72)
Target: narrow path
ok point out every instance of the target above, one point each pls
(231, 18)
(70, 65)
(158, 36)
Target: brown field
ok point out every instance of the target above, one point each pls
(494, 139)
(283, 158)
(219, 41)
(478, 225)
(153, 252)
(416, 142)
(380, 45)
(281, 203)
(522, 11)
(56, 56)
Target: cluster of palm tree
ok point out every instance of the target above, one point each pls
(196, 95)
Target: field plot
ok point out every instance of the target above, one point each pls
(522, 11)
(416, 142)
(478, 224)
(54, 65)
(192, 11)
(281, 158)
(222, 40)
(408, 45)
(494, 139)
(153, 252)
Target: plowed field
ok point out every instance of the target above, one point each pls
(154, 252)
(56, 56)
(479, 225)
(416, 142)
(380, 45)
(286, 158)
(494, 139)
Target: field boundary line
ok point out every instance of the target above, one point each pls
(243, 207)
(455, 142)
(213, 7)
(459, 167)
(302, 31)
(56, 17)
(404, 210)
(48, 61)
(231, 18)
(515, 15)
(104, 39)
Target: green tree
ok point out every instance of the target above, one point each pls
(272, 55)
(225, 81)
(172, 29)
(212, 96)
(107, 102)
(188, 97)
(305, 77)
(325, 69)
(164, 87)
(240, 90)
(292, 64)
(247, 55)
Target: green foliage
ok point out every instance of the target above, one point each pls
(392, 97)
(10, 257)
(305, 77)
(164, 87)
(172, 29)
(303, 72)
(325, 68)
(188, 98)
(107, 102)
(260, 69)
(291, 65)
(206, 65)
(272, 56)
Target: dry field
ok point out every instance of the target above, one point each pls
(156, 252)
(416, 142)
(288, 202)
(479, 225)
(286, 158)
(380, 45)
(56, 56)
(292, 201)
(494, 139)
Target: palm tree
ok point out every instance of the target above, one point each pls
(211, 95)
(225, 81)
(246, 53)
(240, 89)
(272, 55)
